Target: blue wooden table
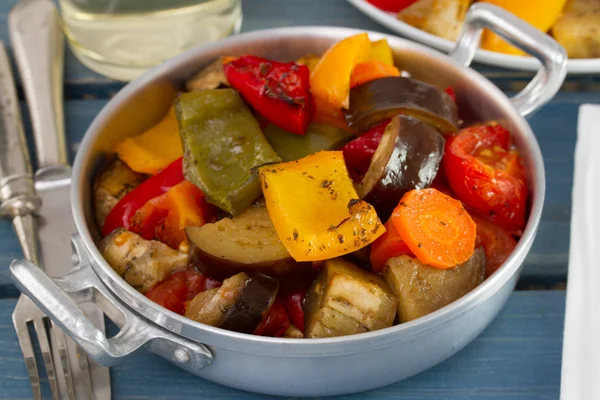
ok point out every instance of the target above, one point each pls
(517, 357)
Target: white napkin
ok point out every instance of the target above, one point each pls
(581, 345)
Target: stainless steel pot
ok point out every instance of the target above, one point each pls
(293, 366)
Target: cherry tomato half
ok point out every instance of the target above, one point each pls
(497, 243)
(391, 5)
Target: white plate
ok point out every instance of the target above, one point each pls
(389, 20)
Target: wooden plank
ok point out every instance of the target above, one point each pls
(517, 357)
(80, 82)
(555, 126)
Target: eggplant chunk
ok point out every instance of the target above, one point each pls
(239, 305)
(248, 242)
(383, 98)
(422, 289)
(113, 183)
(142, 263)
(345, 300)
(407, 158)
(210, 77)
(293, 332)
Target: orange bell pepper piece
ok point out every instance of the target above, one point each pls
(315, 209)
(165, 217)
(154, 149)
(371, 70)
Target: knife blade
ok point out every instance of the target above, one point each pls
(38, 46)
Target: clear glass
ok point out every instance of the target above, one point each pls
(123, 38)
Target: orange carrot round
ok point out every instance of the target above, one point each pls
(435, 227)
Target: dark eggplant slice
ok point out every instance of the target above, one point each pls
(239, 305)
(422, 289)
(407, 158)
(345, 300)
(248, 242)
(380, 99)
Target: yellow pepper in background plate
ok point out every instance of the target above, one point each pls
(542, 14)
(315, 209)
(154, 149)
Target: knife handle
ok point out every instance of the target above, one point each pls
(36, 37)
(17, 192)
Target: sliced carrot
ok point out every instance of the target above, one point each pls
(435, 227)
(371, 70)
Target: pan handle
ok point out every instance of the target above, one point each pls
(519, 33)
(59, 298)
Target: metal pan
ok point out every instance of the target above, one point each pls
(298, 367)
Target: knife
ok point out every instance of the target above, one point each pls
(38, 46)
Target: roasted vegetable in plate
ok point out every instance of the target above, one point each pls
(223, 144)
(345, 299)
(142, 263)
(210, 77)
(421, 289)
(577, 29)
(407, 158)
(381, 99)
(247, 242)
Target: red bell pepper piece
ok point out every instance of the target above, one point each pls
(180, 287)
(293, 306)
(394, 6)
(121, 214)
(487, 175)
(358, 153)
(388, 245)
(451, 93)
(278, 91)
(275, 322)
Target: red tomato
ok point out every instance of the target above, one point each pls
(450, 92)
(275, 322)
(387, 246)
(392, 5)
(293, 307)
(487, 175)
(497, 243)
(197, 283)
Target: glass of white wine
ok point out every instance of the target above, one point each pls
(123, 38)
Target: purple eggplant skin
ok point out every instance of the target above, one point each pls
(408, 157)
(381, 99)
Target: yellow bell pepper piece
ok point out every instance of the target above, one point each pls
(542, 14)
(154, 149)
(315, 209)
(330, 79)
(382, 52)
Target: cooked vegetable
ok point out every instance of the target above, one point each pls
(391, 5)
(497, 243)
(578, 27)
(345, 299)
(407, 158)
(293, 332)
(293, 306)
(247, 242)
(371, 70)
(417, 13)
(388, 245)
(375, 101)
(487, 175)
(223, 144)
(542, 14)
(122, 213)
(359, 152)
(315, 209)
(330, 80)
(278, 91)
(165, 217)
(435, 227)
(154, 149)
(239, 305)
(142, 263)
(318, 137)
(276, 323)
(210, 77)
(445, 19)
(310, 60)
(382, 52)
(113, 183)
(422, 289)
(180, 287)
